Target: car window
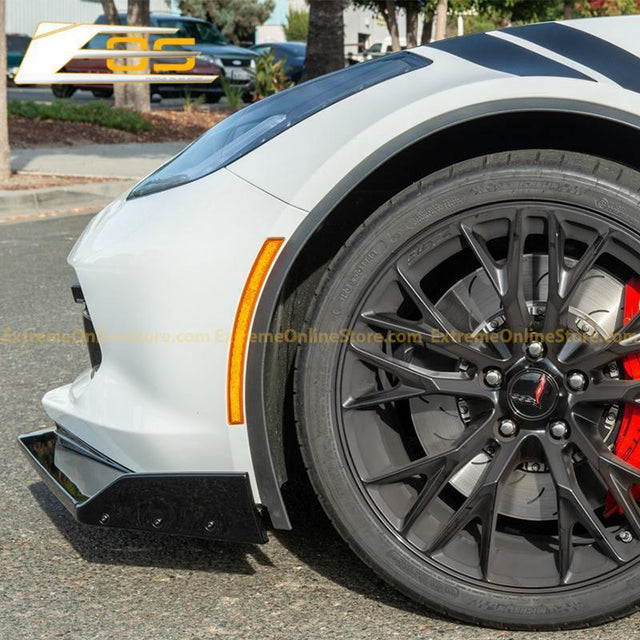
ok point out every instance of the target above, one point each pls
(376, 48)
(261, 50)
(17, 43)
(98, 42)
(201, 32)
(298, 49)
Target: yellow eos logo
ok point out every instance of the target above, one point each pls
(54, 44)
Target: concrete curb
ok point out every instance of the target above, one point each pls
(68, 197)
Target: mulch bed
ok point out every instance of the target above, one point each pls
(167, 126)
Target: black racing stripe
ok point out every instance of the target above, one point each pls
(502, 55)
(608, 59)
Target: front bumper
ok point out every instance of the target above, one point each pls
(99, 491)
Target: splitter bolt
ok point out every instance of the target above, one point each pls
(508, 428)
(210, 526)
(576, 381)
(626, 536)
(535, 350)
(558, 430)
(493, 377)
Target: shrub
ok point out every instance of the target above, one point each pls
(232, 92)
(270, 76)
(99, 113)
(297, 26)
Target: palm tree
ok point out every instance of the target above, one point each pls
(5, 170)
(325, 42)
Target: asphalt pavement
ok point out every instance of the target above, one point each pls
(59, 579)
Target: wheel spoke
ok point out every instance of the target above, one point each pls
(375, 398)
(515, 306)
(618, 346)
(573, 508)
(437, 342)
(563, 282)
(611, 391)
(619, 476)
(470, 443)
(482, 503)
(507, 279)
(451, 383)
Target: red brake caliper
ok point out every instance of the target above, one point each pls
(628, 440)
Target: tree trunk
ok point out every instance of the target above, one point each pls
(113, 17)
(413, 11)
(427, 26)
(5, 170)
(567, 14)
(441, 20)
(325, 41)
(137, 94)
(391, 18)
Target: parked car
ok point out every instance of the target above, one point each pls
(424, 270)
(238, 63)
(16, 48)
(293, 55)
(384, 48)
(204, 66)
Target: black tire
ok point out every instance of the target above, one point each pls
(607, 191)
(62, 90)
(102, 93)
(212, 98)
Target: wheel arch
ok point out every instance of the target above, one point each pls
(438, 143)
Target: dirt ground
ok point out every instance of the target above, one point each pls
(167, 126)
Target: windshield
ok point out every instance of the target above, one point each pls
(201, 32)
(296, 48)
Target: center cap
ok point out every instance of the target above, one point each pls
(533, 394)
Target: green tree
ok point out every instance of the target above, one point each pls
(297, 27)
(607, 7)
(236, 19)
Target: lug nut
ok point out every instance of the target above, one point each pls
(625, 536)
(577, 381)
(508, 428)
(535, 350)
(558, 430)
(493, 377)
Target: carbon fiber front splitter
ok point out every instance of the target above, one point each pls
(99, 491)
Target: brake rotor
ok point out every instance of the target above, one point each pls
(439, 420)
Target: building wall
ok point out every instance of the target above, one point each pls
(23, 16)
(362, 27)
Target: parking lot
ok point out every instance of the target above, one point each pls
(63, 580)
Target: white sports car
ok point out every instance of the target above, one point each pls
(424, 271)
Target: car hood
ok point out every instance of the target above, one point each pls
(223, 51)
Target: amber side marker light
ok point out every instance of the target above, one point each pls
(242, 328)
